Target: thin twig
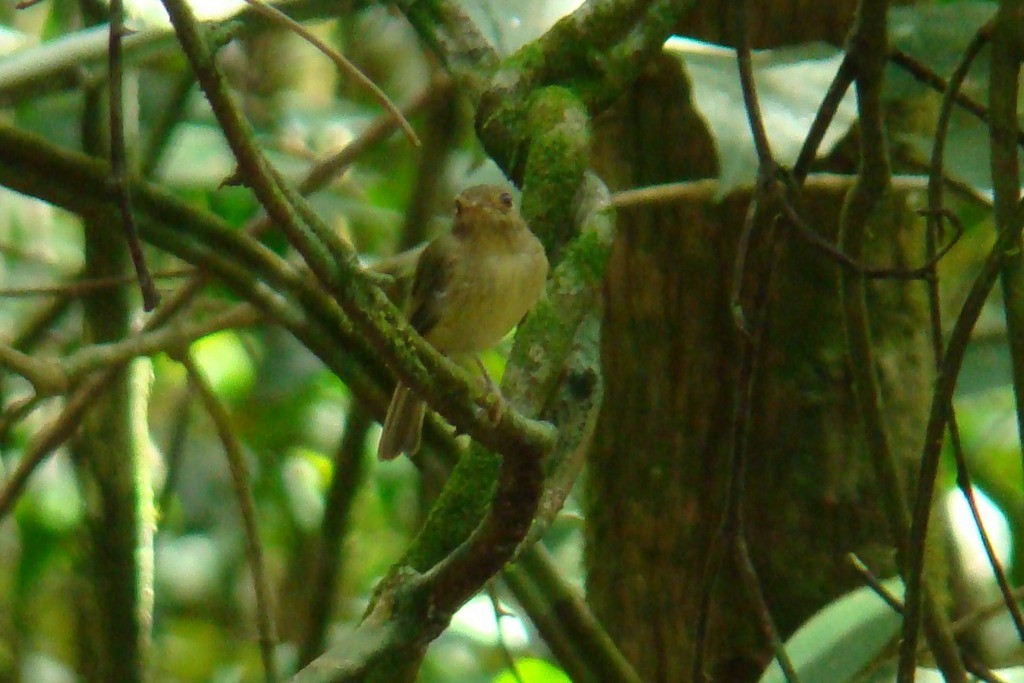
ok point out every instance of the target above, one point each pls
(730, 540)
(499, 614)
(546, 617)
(243, 492)
(344, 65)
(936, 211)
(751, 362)
(812, 237)
(755, 593)
(868, 577)
(823, 119)
(751, 345)
(51, 436)
(118, 166)
(577, 638)
(85, 286)
(709, 189)
(923, 73)
(165, 339)
(16, 411)
(1003, 94)
(167, 212)
(379, 323)
(868, 43)
(347, 474)
(441, 128)
(47, 377)
(26, 254)
(50, 377)
(332, 166)
(702, 620)
(253, 166)
(970, 622)
(1007, 59)
(981, 672)
(739, 270)
(752, 105)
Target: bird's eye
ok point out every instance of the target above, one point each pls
(506, 200)
(458, 206)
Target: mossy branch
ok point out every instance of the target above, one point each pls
(77, 183)
(490, 501)
(594, 53)
(445, 387)
(550, 140)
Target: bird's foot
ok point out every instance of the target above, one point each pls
(494, 403)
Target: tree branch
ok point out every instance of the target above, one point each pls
(445, 387)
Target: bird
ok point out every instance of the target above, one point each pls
(471, 286)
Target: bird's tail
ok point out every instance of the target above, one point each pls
(402, 425)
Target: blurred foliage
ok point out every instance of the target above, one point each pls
(289, 412)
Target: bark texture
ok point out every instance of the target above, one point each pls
(660, 454)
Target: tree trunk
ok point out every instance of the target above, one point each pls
(670, 353)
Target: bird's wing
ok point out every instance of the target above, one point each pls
(430, 284)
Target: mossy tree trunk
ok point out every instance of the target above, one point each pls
(659, 462)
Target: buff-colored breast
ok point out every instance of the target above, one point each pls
(491, 293)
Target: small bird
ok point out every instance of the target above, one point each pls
(472, 285)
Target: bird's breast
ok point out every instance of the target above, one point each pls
(490, 297)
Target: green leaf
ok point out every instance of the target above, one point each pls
(841, 639)
(533, 671)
